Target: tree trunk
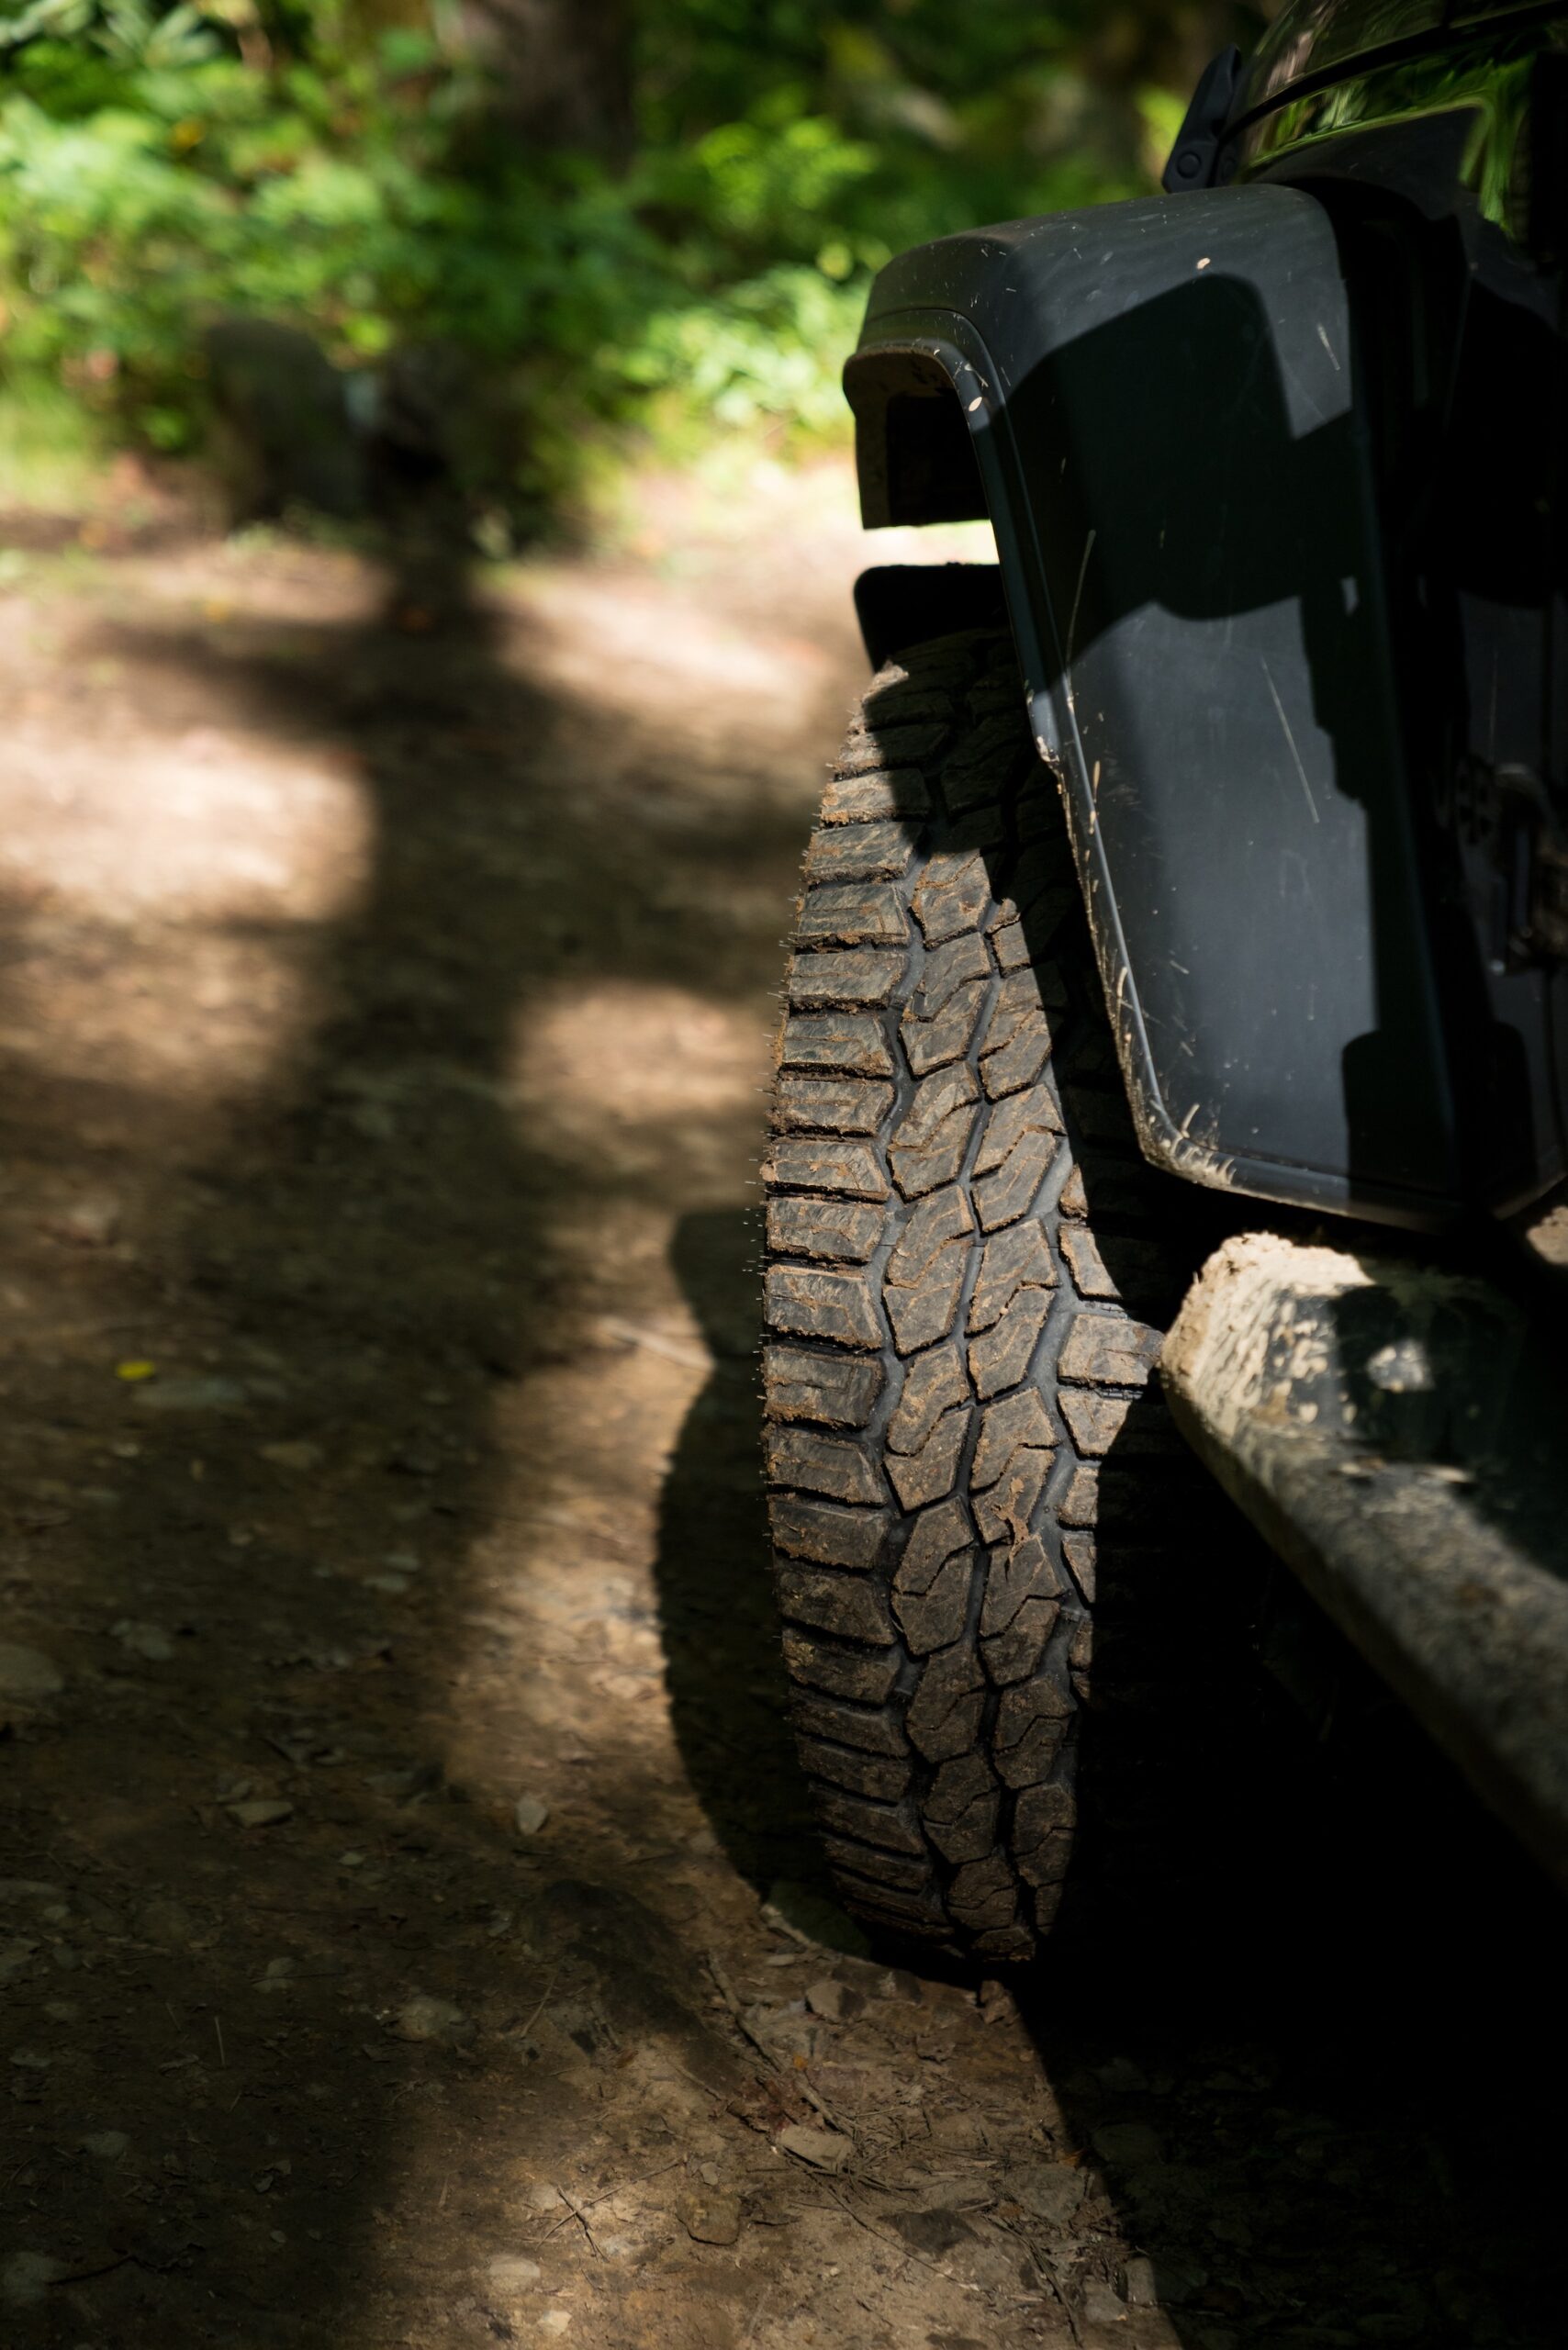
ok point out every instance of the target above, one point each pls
(564, 69)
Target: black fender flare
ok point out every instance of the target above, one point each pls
(1157, 405)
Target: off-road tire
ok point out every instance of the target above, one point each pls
(962, 1239)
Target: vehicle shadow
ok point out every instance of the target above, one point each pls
(728, 1690)
(1307, 1999)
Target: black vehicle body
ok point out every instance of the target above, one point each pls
(1275, 467)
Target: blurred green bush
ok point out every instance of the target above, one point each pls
(362, 170)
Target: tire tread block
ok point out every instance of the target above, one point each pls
(934, 1577)
(810, 1462)
(883, 1778)
(899, 1872)
(1017, 1258)
(1106, 1349)
(926, 1475)
(1000, 1358)
(849, 1042)
(803, 1163)
(924, 1312)
(983, 1895)
(843, 978)
(802, 1383)
(886, 1826)
(842, 1231)
(927, 1146)
(944, 1715)
(852, 913)
(834, 1105)
(894, 792)
(807, 1303)
(868, 1731)
(873, 852)
(861, 1674)
(933, 1385)
(1032, 1719)
(933, 1043)
(952, 894)
(962, 1808)
(1018, 1422)
(848, 1604)
(828, 1533)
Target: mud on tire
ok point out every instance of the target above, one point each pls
(965, 1284)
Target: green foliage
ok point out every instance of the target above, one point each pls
(309, 161)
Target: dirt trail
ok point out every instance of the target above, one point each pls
(411, 1931)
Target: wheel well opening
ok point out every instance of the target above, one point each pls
(914, 451)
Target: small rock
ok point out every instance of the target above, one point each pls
(1102, 2306)
(27, 1673)
(1128, 2145)
(1050, 2192)
(295, 1454)
(996, 2003)
(1138, 2287)
(834, 2001)
(88, 1222)
(149, 1641)
(823, 2149)
(32, 2060)
(193, 1394)
(711, 2218)
(933, 2232)
(509, 2272)
(260, 1811)
(899, 1984)
(424, 2018)
(1122, 2076)
(530, 1813)
(107, 2144)
(555, 2322)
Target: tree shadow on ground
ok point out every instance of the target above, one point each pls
(345, 1284)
